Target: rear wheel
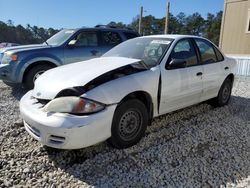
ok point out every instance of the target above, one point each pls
(33, 74)
(129, 124)
(224, 94)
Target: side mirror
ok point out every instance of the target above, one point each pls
(72, 43)
(177, 63)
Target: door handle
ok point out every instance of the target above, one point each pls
(94, 52)
(199, 74)
(226, 68)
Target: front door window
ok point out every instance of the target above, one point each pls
(86, 39)
(184, 50)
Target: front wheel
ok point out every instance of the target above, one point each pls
(33, 74)
(10, 84)
(129, 124)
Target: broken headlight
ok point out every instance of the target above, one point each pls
(73, 105)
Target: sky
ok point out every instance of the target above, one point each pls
(78, 13)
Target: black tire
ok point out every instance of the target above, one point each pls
(32, 74)
(10, 84)
(129, 124)
(224, 94)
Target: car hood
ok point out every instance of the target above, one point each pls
(15, 49)
(48, 85)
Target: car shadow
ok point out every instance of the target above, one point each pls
(18, 91)
(198, 146)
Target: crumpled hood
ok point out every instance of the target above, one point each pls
(49, 84)
(15, 49)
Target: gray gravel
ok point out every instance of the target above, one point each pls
(199, 146)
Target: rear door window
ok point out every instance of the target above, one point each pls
(206, 50)
(110, 38)
(218, 54)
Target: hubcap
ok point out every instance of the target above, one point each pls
(226, 93)
(130, 124)
(37, 75)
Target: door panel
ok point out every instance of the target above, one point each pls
(212, 71)
(80, 54)
(86, 47)
(212, 80)
(181, 87)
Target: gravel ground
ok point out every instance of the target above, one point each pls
(199, 146)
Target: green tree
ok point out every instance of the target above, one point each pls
(159, 26)
(175, 25)
(195, 25)
(117, 24)
(181, 22)
(148, 25)
(29, 35)
(212, 28)
(135, 23)
(52, 31)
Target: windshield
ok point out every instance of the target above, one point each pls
(60, 37)
(150, 50)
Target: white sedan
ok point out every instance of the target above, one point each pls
(116, 96)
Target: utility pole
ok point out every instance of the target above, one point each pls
(140, 20)
(167, 18)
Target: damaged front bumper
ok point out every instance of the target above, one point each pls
(65, 131)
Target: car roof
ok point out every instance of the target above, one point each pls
(172, 36)
(105, 29)
(167, 36)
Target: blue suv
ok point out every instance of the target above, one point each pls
(24, 64)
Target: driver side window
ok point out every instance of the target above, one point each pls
(184, 50)
(86, 39)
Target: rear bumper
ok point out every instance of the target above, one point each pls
(65, 131)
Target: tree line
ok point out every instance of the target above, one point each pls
(24, 35)
(194, 24)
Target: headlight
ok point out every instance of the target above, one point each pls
(73, 105)
(8, 57)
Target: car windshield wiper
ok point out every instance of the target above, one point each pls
(143, 64)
